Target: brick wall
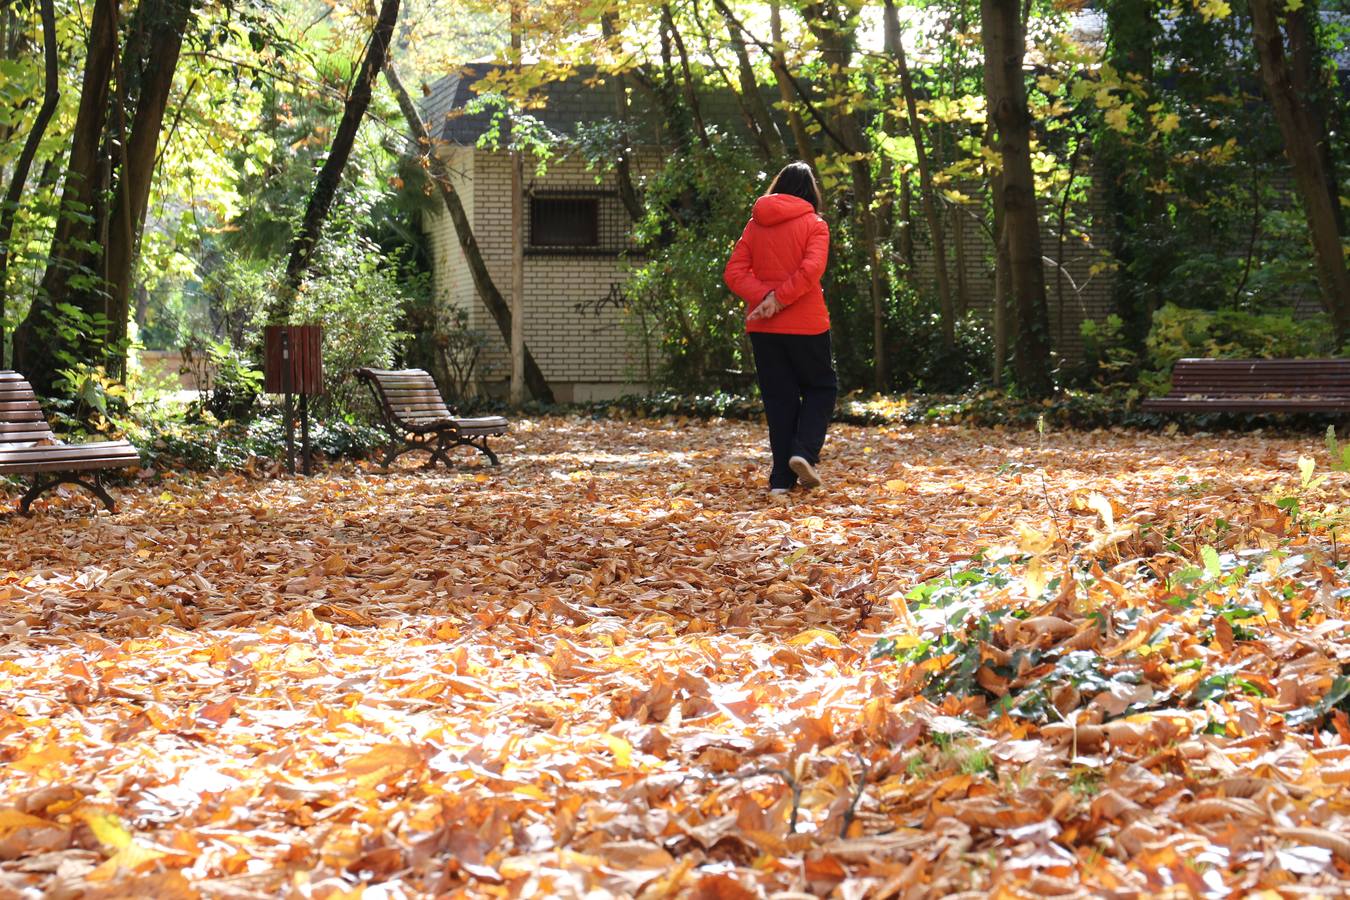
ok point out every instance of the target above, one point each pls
(575, 322)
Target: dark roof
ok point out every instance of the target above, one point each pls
(585, 96)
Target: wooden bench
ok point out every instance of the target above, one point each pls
(1257, 385)
(414, 413)
(28, 447)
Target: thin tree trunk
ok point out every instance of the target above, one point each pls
(1304, 135)
(1060, 236)
(687, 81)
(139, 152)
(39, 347)
(1004, 48)
(50, 95)
(330, 175)
(752, 125)
(770, 140)
(1125, 168)
(907, 223)
(1002, 263)
(786, 90)
(517, 240)
(1308, 77)
(927, 194)
(835, 28)
(960, 260)
(473, 255)
(623, 170)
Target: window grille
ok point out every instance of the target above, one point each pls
(577, 222)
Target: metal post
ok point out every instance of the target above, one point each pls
(290, 409)
(304, 432)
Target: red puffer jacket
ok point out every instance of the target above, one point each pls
(783, 249)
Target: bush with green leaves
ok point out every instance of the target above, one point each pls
(680, 305)
(358, 294)
(1179, 333)
(235, 385)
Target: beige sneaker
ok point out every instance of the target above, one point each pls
(806, 473)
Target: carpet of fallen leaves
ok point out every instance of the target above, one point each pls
(977, 661)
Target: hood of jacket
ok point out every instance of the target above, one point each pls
(775, 209)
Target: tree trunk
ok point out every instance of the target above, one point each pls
(50, 96)
(126, 219)
(835, 28)
(1304, 132)
(959, 260)
(927, 194)
(786, 90)
(1005, 90)
(517, 241)
(1139, 216)
(770, 140)
(478, 270)
(1002, 264)
(623, 170)
(330, 175)
(687, 80)
(906, 240)
(40, 348)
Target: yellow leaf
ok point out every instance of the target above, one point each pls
(11, 818)
(1031, 541)
(1213, 9)
(622, 750)
(107, 828)
(1169, 123)
(1037, 577)
(1102, 507)
(133, 858)
(1119, 118)
(897, 486)
(811, 635)
(529, 790)
(383, 763)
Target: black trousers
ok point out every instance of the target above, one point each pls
(798, 384)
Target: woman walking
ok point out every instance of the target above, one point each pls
(776, 269)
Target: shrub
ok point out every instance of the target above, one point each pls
(1178, 333)
(357, 294)
(692, 324)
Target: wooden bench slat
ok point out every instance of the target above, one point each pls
(1256, 385)
(112, 450)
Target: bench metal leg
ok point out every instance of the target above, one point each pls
(394, 451)
(479, 444)
(41, 485)
(483, 446)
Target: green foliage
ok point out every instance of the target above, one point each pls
(458, 347)
(206, 443)
(696, 209)
(358, 294)
(1110, 362)
(87, 401)
(1179, 333)
(235, 385)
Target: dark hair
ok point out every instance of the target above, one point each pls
(798, 180)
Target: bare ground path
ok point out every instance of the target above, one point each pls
(615, 665)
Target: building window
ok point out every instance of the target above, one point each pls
(564, 221)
